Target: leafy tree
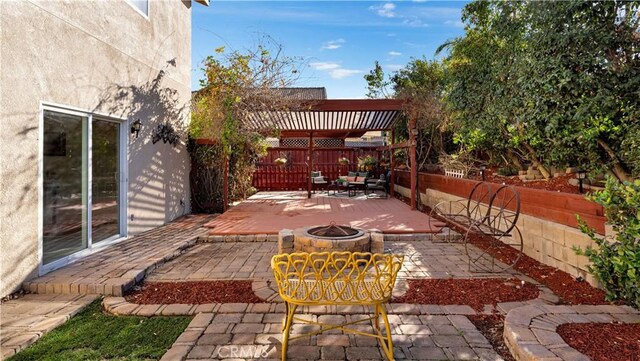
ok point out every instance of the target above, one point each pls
(420, 83)
(484, 97)
(588, 69)
(554, 83)
(237, 86)
(377, 86)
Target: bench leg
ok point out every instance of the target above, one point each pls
(376, 318)
(387, 343)
(286, 328)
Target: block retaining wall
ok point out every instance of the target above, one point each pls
(547, 241)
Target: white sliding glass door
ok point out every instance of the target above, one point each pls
(64, 185)
(82, 200)
(105, 180)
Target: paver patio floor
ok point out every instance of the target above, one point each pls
(269, 212)
(421, 332)
(223, 331)
(416, 335)
(115, 269)
(244, 260)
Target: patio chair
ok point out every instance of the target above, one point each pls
(317, 181)
(353, 181)
(337, 278)
(381, 184)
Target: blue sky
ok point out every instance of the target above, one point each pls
(338, 40)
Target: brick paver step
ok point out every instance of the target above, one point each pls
(116, 269)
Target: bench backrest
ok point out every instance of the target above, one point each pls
(336, 278)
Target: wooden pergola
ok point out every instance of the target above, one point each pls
(339, 118)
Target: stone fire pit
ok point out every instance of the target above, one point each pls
(329, 239)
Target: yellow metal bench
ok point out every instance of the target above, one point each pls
(337, 278)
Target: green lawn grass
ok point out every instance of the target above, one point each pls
(93, 335)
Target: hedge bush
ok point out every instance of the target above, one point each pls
(615, 262)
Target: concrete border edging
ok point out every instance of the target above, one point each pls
(530, 331)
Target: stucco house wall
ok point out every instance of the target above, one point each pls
(103, 57)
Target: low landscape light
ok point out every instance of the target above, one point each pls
(581, 174)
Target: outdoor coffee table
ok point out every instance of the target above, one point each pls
(336, 187)
(355, 186)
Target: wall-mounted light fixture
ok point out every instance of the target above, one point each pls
(136, 126)
(581, 174)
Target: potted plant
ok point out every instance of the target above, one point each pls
(368, 163)
(280, 161)
(343, 161)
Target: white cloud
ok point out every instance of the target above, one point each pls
(391, 35)
(415, 23)
(324, 65)
(335, 70)
(333, 44)
(343, 73)
(394, 53)
(456, 23)
(385, 10)
(394, 67)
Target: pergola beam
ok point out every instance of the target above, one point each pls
(394, 146)
(338, 115)
(326, 105)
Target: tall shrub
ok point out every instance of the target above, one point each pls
(616, 262)
(237, 86)
(554, 83)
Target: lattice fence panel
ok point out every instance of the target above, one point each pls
(294, 143)
(317, 143)
(328, 143)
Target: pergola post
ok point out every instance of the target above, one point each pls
(310, 165)
(412, 157)
(225, 184)
(392, 181)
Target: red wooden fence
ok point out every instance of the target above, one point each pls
(293, 175)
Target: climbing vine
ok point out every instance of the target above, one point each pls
(237, 86)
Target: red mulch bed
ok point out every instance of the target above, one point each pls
(492, 328)
(570, 290)
(472, 292)
(557, 184)
(603, 341)
(194, 292)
